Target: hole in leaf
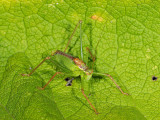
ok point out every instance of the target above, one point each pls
(69, 81)
(154, 78)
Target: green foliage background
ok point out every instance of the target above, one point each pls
(129, 50)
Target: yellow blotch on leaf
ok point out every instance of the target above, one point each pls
(95, 17)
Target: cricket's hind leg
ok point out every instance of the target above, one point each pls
(49, 80)
(47, 58)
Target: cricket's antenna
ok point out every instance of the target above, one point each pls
(73, 34)
(81, 39)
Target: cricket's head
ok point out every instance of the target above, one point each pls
(89, 72)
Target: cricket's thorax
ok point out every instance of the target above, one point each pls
(81, 65)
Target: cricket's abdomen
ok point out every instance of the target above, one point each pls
(68, 63)
(65, 63)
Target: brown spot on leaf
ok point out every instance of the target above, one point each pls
(98, 18)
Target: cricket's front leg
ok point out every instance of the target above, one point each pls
(47, 58)
(82, 90)
(93, 57)
(80, 22)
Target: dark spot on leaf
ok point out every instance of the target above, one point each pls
(66, 79)
(154, 78)
(68, 84)
(69, 81)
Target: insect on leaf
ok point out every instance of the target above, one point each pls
(128, 50)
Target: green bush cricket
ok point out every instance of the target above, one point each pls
(73, 67)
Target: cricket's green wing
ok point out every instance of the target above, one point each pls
(65, 64)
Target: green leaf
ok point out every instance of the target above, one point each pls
(124, 36)
(4, 114)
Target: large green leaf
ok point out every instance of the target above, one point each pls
(129, 38)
